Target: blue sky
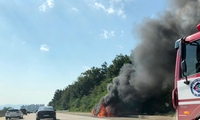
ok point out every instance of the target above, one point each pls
(46, 44)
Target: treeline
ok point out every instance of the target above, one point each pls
(91, 86)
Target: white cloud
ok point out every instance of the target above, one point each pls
(120, 46)
(43, 7)
(107, 34)
(129, 0)
(86, 68)
(115, 1)
(50, 3)
(120, 12)
(46, 5)
(122, 32)
(74, 9)
(44, 48)
(115, 7)
(111, 10)
(99, 5)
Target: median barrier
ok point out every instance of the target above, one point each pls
(2, 113)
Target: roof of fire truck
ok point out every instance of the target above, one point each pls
(194, 36)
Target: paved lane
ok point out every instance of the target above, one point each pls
(64, 116)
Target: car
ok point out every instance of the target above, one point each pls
(14, 113)
(35, 111)
(46, 112)
(24, 111)
(28, 112)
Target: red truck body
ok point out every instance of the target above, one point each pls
(186, 93)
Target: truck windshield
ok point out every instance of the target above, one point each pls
(193, 58)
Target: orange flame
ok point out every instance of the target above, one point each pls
(92, 112)
(109, 113)
(104, 112)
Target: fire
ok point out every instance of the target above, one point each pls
(109, 114)
(104, 112)
(92, 112)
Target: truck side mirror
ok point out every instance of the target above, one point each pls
(183, 66)
(182, 49)
(183, 71)
(177, 44)
(198, 53)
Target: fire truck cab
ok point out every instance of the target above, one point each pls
(186, 92)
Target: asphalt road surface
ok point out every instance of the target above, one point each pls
(65, 116)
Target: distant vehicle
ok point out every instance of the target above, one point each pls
(28, 111)
(35, 111)
(14, 113)
(24, 111)
(46, 112)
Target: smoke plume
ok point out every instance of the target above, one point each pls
(153, 59)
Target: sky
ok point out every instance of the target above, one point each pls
(46, 44)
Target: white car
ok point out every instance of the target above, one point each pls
(14, 113)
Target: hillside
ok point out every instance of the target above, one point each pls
(96, 84)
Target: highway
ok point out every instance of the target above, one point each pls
(65, 116)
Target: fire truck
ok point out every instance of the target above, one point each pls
(186, 92)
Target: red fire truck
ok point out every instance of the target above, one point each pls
(186, 93)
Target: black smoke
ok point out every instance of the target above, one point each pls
(153, 59)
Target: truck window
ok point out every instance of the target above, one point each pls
(192, 59)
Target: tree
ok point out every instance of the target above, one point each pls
(118, 62)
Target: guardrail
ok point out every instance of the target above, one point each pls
(2, 113)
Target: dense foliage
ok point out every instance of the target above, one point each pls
(91, 86)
